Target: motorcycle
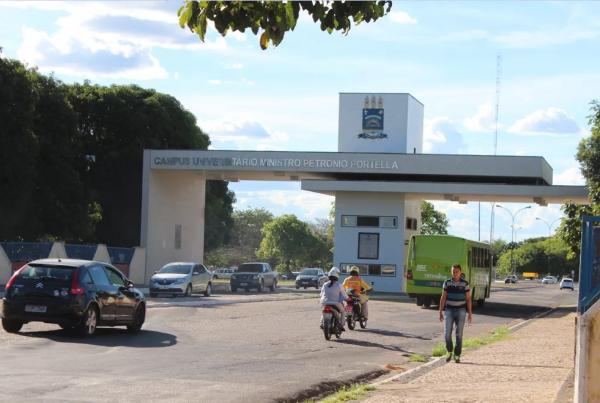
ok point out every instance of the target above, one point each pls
(354, 311)
(329, 323)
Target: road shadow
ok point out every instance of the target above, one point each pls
(384, 332)
(510, 311)
(109, 337)
(370, 344)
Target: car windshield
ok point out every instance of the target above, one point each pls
(40, 272)
(309, 272)
(176, 268)
(250, 268)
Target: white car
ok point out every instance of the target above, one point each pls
(223, 273)
(549, 280)
(181, 278)
(567, 283)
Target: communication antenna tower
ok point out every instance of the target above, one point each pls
(498, 74)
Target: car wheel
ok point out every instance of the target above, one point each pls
(188, 291)
(208, 290)
(305, 288)
(273, 286)
(260, 286)
(419, 300)
(11, 325)
(297, 287)
(427, 302)
(138, 319)
(88, 323)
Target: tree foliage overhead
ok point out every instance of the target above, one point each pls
(275, 18)
(433, 222)
(588, 155)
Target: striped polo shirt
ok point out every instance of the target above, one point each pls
(457, 293)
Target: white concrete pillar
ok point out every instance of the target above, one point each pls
(5, 267)
(58, 250)
(172, 216)
(137, 267)
(102, 254)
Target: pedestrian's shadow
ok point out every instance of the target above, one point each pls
(363, 343)
(393, 333)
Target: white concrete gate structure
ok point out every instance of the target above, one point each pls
(378, 177)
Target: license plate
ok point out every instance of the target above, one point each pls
(327, 316)
(35, 308)
(349, 308)
(243, 284)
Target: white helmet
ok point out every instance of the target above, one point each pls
(335, 272)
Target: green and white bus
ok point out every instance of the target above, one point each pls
(429, 263)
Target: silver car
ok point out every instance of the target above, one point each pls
(181, 278)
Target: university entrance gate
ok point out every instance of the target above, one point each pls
(378, 178)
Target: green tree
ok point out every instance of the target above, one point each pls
(588, 155)
(432, 221)
(217, 212)
(247, 230)
(273, 18)
(19, 148)
(539, 255)
(291, 242)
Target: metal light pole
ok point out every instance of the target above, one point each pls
(549, 225)
(512, 227)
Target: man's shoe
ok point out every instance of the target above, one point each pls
(457, 359)
(448, 357)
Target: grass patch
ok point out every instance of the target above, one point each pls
(498, 334)
(417, 358)
(348, 393)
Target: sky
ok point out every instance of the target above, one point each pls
(286, 98)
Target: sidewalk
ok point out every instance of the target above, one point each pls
(531, 366)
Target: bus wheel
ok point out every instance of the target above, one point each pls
(419, 300)
(427, 302)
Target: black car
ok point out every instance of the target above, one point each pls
(76, 294)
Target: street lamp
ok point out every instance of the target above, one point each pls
(512, 227)
(549, 225)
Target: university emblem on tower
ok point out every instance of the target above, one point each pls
(372, 119)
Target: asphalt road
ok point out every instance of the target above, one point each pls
(235, 348)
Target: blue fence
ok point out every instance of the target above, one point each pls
(85, 252)
(120, 255)
(589, 263)
(26, 251)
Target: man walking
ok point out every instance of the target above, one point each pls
(455, 297)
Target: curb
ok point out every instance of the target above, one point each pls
(416, 372)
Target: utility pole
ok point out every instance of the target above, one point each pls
(498, 73)
(512, 226)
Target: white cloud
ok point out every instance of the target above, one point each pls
(109, 39)
(214, 82)
(540, 38)
(306, 206)
(243, 134)
(66, 55)
(236, 66)
(483, 120)
(549, 122)
(571, 176)
(402, 17)
(440, 136)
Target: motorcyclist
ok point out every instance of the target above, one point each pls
(358, 287)
(333, 294)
